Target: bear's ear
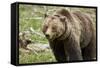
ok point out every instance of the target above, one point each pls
(65, 13)
(63, 18)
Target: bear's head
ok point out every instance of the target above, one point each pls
(54, 26)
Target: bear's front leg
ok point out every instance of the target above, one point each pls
(58, 50)
(73, 49)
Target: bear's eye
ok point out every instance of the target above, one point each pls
(45, 28)
(53, 29)
(53, 18)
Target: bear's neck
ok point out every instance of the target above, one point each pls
(67, 32)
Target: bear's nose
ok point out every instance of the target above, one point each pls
(47, 35)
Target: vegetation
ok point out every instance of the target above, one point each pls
(33, 58)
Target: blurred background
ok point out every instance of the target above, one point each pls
(33, 46)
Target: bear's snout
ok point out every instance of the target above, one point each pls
(47, 35)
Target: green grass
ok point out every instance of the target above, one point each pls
(36, 25)
(43, 57)
(27, 20)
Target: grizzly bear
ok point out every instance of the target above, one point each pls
(71, 35)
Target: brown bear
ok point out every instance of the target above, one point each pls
(71, 35)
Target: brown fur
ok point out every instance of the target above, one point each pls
(73, 37)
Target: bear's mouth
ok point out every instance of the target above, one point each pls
(50, 38)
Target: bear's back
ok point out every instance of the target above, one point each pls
(86, 28)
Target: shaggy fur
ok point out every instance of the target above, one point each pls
(71, 36)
